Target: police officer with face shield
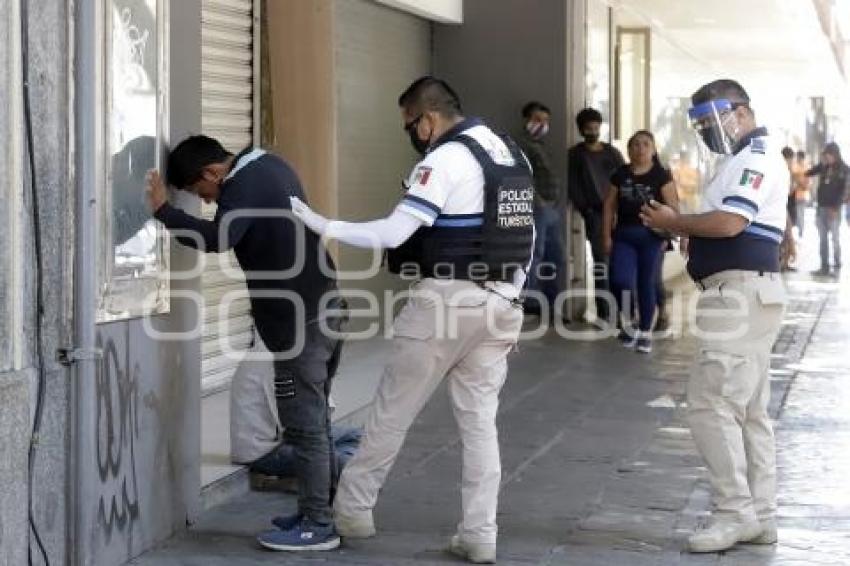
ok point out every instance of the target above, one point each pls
(464, 232)
(735, 261)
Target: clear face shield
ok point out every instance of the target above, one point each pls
(717, 127)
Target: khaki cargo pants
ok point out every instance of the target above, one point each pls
(738, 317)
(446, 330)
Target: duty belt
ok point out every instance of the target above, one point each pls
(712, 280)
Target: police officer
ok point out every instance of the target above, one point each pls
(465, 228)
(735, 260)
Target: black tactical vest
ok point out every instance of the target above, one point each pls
(494, 248)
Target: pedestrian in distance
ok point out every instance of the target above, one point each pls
(590, 164)
(802, 190)
(546, 276)
(833, 191)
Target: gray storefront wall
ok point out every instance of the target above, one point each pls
(47, 65)
(137, 448)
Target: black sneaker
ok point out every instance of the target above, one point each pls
(627, 338)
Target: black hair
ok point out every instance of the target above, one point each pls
(787, 152)
(586, 116)
(430, 94)
(801, 154)
(835, 151)
(655, 159)
(722, 88)
(188, 159)
(534, 106)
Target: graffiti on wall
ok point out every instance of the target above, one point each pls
(117, 420)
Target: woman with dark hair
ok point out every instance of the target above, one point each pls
(636, 250)
(833, 189)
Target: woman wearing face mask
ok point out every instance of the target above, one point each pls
(634, 249)
(833, 189)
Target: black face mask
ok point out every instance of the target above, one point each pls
(712, 139)
(590, 138)
(419, 145)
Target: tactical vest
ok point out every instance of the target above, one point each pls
(488, 247)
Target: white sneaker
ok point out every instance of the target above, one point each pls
(723, 534)
(768, 533)
(643, 344)
(475, 552)
(349, 526)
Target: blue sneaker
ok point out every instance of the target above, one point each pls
(306, 535)
(644, 344)
(628, 338)
(286, 522)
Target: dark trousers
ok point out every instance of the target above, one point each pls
(593, 231)
(634, 270)
(660, 290)
(302, 388)
(829, 225)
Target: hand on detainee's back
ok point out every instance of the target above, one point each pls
(315, 222)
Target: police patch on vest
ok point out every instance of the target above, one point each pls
(492, 249)
(516, 207)
(751, 178)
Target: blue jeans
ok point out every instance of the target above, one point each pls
(549, 264)
(829, 226)
(634, 269)
(282, 462)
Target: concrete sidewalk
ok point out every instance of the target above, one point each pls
(598, 465)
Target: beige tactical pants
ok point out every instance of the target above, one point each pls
(738, 318)
(445, 329)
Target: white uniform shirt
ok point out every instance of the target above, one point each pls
(752, 183)
(446, 188)
(449, 182)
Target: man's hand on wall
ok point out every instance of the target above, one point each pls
(155, 190)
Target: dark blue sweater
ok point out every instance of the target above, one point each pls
(266, 246)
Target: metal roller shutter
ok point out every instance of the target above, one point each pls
(227, 114)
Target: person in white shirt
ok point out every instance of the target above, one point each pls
(735, 259)
(465, 228)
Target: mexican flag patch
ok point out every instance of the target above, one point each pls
(751, 178)
(422, 175)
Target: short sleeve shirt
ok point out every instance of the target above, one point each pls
(633, 191)
(752, 183)
(447, 186)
